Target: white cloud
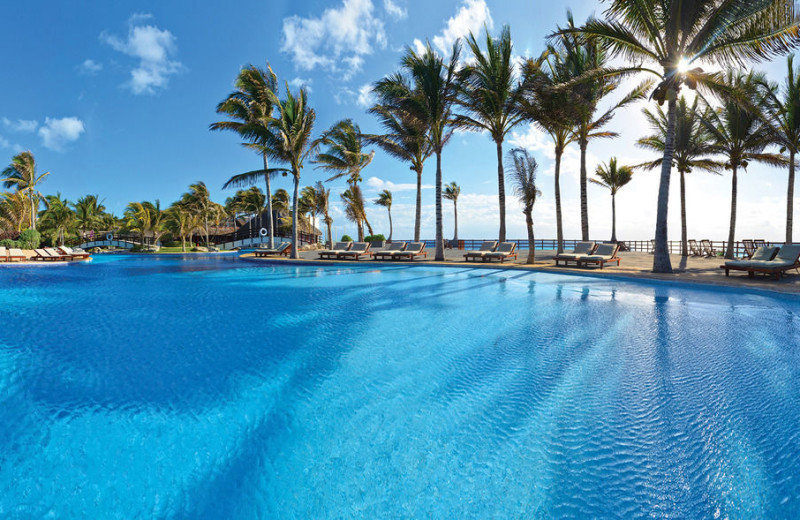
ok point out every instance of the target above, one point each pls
(365, 96)
(90, 67)
(471, 17)
(395, 11)
(56, 133)
(154, 48)
(379, 184)
(301, 82)
(20, 125)
(337, 40)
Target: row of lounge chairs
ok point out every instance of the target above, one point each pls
(282, 249)
(359, 250)
(768, 260)
(587, 252)
(493, 251)
(62, 253)
(11, 255)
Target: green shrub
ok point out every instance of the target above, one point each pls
(346, 238)
(8, 243)
(374, 238)
(29, 239)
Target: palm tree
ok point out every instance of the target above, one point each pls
(287, 139)
(613, 177)
(308, 196)
(21, 174)
(198, 199)
(250, 107)
(88, 212)
(323, 196)
(281, 202)
(385, 199)
(181, 221)
(58, 219)
(667, 32)
(429, 94)
(783, 117)
(451, 192)
(354, 209)
(158, 219)
(741, 135)
(13, 211)
(692, 148)
(552, 108)
(523, 177)
(405, 139)
(490, 94)
(137, 219)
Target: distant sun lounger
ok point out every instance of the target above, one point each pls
(358, 250)
(16, 254)
(603, 254)
(504, 251)
(3, 254)
(394, 247)
(338, 247)
(708, 248)
(581, 249)
(284, 248)
(79, 254)
(488, 246)
(414, 250)
(694, 249)
(787, 258)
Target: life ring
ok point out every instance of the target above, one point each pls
(263, 232)
(110, 236)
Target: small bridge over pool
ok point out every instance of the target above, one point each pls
(125, 244)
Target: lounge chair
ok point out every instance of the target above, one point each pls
(694, 249)
(749, 248)
(3, 254)
(16, 254)
(57, 255)
(387, 253)
(788, 257)
(504, 251)
(760, 243)
(338, 247)
(358, 250)
(708, 249)
(283, 248)
(413, 250)
(487, 246)
(581, 249)
(43, 256)
(605, 253)
(78, 254)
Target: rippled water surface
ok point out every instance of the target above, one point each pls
(160, 387)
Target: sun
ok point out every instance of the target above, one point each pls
(683, 66)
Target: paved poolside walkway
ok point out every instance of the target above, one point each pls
(632, 265)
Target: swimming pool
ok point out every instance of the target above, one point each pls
(210, 387)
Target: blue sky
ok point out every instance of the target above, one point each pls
(115, 98)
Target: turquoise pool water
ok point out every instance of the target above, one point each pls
(209, 387)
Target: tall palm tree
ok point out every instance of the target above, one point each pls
(250, 108)
(21, 175)
(783, 117)
(405, 139)
(287, 139)
(582, 57)
(523, 177)
(158, 218)
(740, 135)
(88, 212)
(613, 177)
(181, 221)
(552, 107)
(354, 209)
(667, 32)
(427, 90)
(451, 192)
(323, 196)
(58, 219)
(13, 211)
(198, 199)
(490, 95)
(385, 199)
(692, 148)
(344, 155)
(309, 197)
(137, 219)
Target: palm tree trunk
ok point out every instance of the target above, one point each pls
(369, 228)
(684, 233)
(531, 240)
(183, 243)
(661, 261)
(269, 205)
(389, 209)
(295, 243)
(613, 217)
(584, 193)
(439, 256)
(501, 191)
(206, 222)
(732, 230)
(418, 218)
(790, 199)
(455, 219)
(559, 228)
(330, 233)
(360, 230)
